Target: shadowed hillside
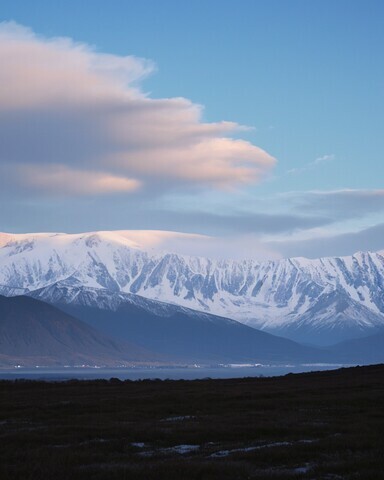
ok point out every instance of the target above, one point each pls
(35, 333)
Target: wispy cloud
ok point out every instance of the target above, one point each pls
(337, 204)
(323, 159)
(72, 116)
(243, 223)
(346, 243)
(313, 164)
(230, 247)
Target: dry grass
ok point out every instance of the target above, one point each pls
(326, 425)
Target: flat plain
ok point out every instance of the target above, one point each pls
(322, 425)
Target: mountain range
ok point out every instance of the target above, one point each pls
(319, 302)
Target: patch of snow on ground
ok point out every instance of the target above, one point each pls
(178, 419)
(179, 449)
(226, 453)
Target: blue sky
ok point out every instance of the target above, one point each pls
(307, 76)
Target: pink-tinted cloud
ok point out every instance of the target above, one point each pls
(72, 116)
(62, 180)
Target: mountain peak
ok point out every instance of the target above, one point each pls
(274, 295)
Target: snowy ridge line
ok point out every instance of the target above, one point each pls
(344, 295)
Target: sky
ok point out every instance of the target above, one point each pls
(256, 124)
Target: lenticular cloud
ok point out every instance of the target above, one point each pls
(74, 121)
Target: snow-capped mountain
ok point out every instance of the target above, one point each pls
(321, 301)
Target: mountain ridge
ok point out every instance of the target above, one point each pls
(182, 334)
(316, 301)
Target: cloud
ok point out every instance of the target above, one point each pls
(337, 204)
(323, 159)
(298, 213)
(235, 247)
(311, 165)
(241, 246)
(368, 239)
(241, 222)
(69, 111)
(62, 180)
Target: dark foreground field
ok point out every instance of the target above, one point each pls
(326, 425)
